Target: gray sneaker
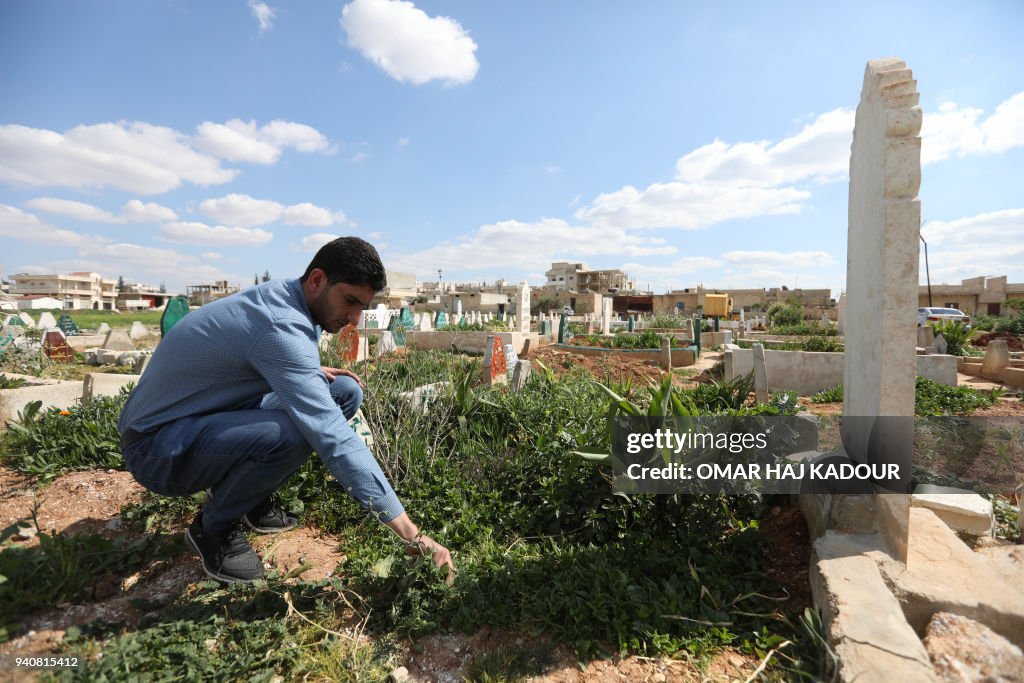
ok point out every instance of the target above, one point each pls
(227, 555)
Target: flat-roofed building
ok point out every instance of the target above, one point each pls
(76, 291)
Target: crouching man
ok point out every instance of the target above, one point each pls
(234, 401)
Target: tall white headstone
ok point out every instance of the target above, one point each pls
(523, 307)
(606, 315)
(881, 281)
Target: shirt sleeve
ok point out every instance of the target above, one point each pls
(290, 363)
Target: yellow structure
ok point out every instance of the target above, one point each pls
(717, 305)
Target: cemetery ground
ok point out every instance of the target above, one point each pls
(558, 578)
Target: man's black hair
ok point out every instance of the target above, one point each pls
(350, 260)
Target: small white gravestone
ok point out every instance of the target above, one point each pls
(458, 307)
(103, 328)
(27, 319)
(606, 315)
(46, 320)
(940, 345)
(510, 359)
(386, 344)
(138, 331)
(520, 375)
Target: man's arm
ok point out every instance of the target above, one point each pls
(290, 365)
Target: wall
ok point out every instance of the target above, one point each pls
(809, 372)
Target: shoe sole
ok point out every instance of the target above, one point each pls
(223, 578)
(267, 529)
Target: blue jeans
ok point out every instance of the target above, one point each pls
(242, 456)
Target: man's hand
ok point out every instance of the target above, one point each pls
(421, 544)
(331, 373)
(425, 545)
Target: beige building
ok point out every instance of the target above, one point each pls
(690, 299)
(78, 290)
(975, 296)
(401, 290)
(200, 295)
(580, 278)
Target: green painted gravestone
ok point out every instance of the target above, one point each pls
(176, 309)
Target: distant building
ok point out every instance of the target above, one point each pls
(974, 296)
(688, 300)
(137, 296)
(401, 290)
(579, 277)
(200, 295)
(78, 290)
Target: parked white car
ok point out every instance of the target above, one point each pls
(930, 314)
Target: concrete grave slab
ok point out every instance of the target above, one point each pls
(118, 340)
(105, 384)
(863, 621)
(961, 509)
(942, 574)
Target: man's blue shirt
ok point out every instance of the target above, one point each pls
(230, 353)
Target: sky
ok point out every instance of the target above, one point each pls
(687, 143)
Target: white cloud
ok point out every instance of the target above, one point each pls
(312, 215)
(519, 245)
(200, 233)
(820, 151)
(72, 209)
(961, 131)
(402, 142)
(688, 205)
(135, 211)
(551, 168)
(997, 230)
(243, 210)
(359, 156)
(262, 13)
(722, 181)
(211, 255)
(132, 156)
(20, 225)
(244, 141)
(314, 242)
(409, 45)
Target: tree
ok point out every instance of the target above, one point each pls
(255, 279)
(120, 283)
(266, 275)
(163, 288)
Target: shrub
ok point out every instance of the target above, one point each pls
(832, 395)
(956, 335)
(785, 314)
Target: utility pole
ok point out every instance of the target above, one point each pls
(927, 274)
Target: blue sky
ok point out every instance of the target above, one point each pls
(182, 141)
